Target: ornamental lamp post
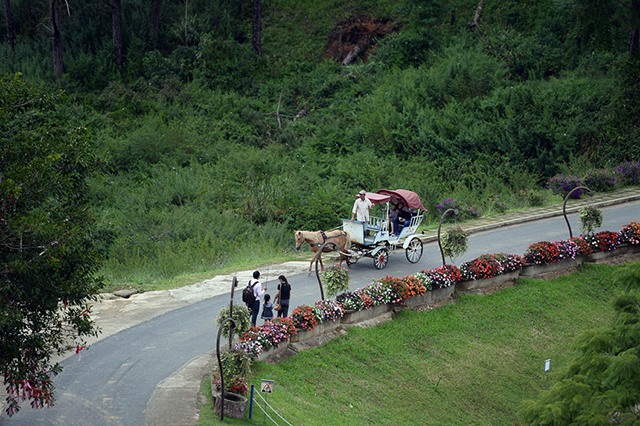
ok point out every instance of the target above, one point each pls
(455, 211)
(590, 193)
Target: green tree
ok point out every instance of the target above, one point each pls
(47, 257)
(601, 385)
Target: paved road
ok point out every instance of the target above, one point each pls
(115, 380)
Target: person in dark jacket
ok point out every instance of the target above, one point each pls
(283, 295)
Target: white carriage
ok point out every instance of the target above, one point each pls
(374, 239)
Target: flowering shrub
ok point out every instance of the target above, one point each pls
(590, 218)
(367, 301)
(583, 245)
(605, 240)
(350, 301)
(234, 384)
(490, 265)
(484, 266)
(567, 249)
(286, 322)
(600, 180)
(423, 280)
(405, 287)
(381, 292)
(275, 332)
(443, 276)
(304, 317)
(329, 310)
(563, 185)
(253, 341)
(510, 262)
(335, 279)
(464, 212)
(542, 253)
(493, 203)
(630, 233)
(629, 173)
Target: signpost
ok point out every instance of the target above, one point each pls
(266, 387)
(547, 367)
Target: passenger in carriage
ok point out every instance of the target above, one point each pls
(403, 219)
(393, 213)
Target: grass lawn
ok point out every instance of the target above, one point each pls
(471, 362)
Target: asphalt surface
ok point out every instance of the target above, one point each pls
(156, 347)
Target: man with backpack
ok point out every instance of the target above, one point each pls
(251, 296)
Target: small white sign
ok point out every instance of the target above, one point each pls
(547, 365)
(266, 386)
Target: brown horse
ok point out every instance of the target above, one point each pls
(341, 239)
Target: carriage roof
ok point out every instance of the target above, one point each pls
(410, 199)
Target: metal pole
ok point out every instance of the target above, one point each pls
(335, 247)
(251, 403)
(234, 284)
(455, 211)
(233, 323)
(564, 205)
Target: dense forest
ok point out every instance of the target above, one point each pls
(224, 125)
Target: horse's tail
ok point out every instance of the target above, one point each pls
(347, 245)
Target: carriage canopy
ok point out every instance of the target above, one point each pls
(410, 199)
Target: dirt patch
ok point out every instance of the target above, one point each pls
(360, 31)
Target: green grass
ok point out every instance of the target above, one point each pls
(471, 362)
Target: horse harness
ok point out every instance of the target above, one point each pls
(324, 238)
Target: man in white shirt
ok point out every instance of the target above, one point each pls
(258, 291)
(361, 208)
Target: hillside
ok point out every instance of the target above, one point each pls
(215, 153)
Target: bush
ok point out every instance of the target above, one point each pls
(304, 317)
(629, 173)
(563, 185)
(630, 233)
(583, 245)
(605, 240)
(532, 198)
(464, 212)
(350, 301)
(542, 253)
(600, 180)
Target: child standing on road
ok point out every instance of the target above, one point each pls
(267, 309)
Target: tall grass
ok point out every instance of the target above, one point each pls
(471, 362)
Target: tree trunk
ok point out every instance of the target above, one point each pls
(476, 17)
(116, 17)
(155, 19)
(11, 37)
(56, 39)
(635, 33)
(453, 13)
(257, 27)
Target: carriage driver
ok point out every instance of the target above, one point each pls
(361, 208)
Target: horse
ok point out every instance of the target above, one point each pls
(341, 239)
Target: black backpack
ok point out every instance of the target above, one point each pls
(247, 293)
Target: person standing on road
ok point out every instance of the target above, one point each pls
(361, 208)
(258, 291)
(283, 295)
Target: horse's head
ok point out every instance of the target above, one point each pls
(299, 240)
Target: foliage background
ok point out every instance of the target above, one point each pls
(202, 177)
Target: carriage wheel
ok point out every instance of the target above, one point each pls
(381, 258)
(414, 251)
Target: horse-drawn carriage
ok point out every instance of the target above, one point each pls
(374, 239)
